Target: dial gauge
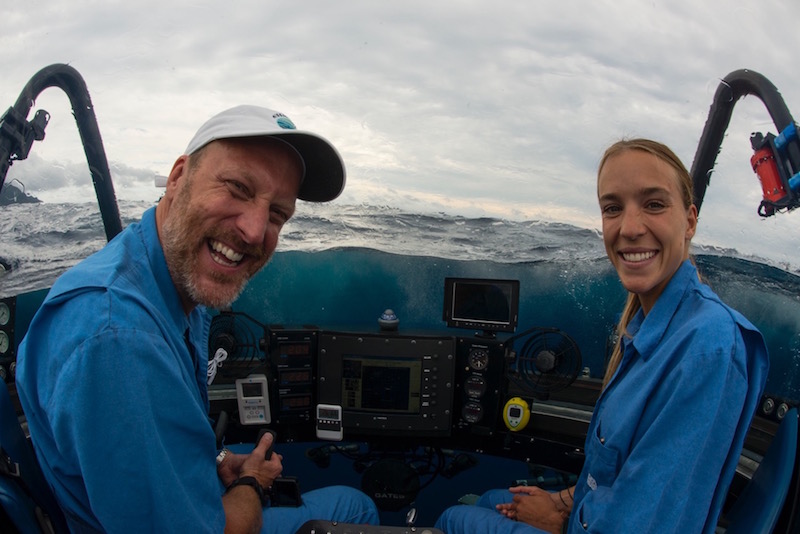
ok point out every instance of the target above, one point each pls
(472, 412)
(5, 314)
(475, 386)
(478, 359)
(5, 343)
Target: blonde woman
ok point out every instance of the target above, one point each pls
(680, 390)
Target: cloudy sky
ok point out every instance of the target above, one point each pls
(498, 108)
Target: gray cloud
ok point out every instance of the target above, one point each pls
(499, 109)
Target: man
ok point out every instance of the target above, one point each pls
(111, 375)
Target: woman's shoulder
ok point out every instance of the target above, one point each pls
(715, 327)
(703, 301)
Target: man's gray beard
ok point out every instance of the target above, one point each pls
(212, 302)
(219, 304)
(182, 266)
(183, 273)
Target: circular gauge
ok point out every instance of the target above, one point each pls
(5, 343)
(472, 412)
(5, 314)
(478, 359)
(475, 386)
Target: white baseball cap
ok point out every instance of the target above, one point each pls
(324, 175)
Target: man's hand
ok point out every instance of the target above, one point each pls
(253, 464)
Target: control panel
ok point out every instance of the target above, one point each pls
(292, 359)
(388, 384)
(7, 342)
(480, 372)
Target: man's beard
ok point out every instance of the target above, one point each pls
(181, 235)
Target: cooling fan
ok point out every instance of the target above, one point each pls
(548, 360)
(235, 346)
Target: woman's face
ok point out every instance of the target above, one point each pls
(646, 227)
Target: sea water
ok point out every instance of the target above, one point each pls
(566, 280)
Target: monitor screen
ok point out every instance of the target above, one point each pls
(385, 384)
(490, 305)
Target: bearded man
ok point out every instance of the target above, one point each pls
(112, 372)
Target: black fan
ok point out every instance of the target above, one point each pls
(548, 360)
(235, 345)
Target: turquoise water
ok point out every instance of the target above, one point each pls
(346, 264)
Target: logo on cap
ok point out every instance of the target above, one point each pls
(284, 122)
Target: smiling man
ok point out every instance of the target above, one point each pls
(112, 372)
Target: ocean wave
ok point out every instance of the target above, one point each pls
(40, 241)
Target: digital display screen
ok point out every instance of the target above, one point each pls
(481, 303)
(294, 349)
(252, 389)
(327, 413)
(381, 384)
(296, 402)
(295, 376)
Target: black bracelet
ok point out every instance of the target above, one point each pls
(562, 499)
(253, 483)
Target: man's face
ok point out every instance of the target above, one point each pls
(221, 215)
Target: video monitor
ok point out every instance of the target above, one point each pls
(478, 303)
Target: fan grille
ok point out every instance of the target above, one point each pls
(243, 340)
(547, 360)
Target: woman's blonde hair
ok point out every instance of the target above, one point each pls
(685, 186)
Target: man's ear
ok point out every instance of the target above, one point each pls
(178, 171)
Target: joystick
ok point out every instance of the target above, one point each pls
(261, 433)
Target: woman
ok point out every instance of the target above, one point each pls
(680, 389)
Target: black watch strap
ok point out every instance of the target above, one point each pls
(253, 483)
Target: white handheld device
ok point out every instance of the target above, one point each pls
(252, 396)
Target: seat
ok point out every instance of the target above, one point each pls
(759, 506)
(25, 496)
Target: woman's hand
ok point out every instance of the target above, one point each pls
(536, 507)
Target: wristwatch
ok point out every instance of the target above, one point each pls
(221, 456)
(253, 483)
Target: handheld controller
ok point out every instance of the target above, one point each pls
(285, 491)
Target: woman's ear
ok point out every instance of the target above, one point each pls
(691, 227)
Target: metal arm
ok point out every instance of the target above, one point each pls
(17, 135)
(734, 86)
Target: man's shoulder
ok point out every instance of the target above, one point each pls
(120, 263)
